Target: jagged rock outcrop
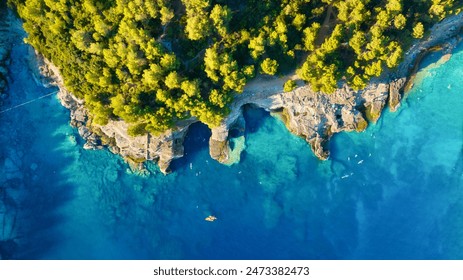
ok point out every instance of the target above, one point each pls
(312, 115)
(395, 96)
(316, 116)
(161, 148)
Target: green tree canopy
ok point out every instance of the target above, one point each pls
(155, 62)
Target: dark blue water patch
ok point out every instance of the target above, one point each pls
(197, 139)
(31, 175)
(233, 133)
(431, 58)
(253, 117)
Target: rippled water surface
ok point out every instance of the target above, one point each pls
(394, 191)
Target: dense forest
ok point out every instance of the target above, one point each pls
(155, 62)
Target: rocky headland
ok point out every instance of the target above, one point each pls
(312, 115)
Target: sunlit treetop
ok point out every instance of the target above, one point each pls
(155, 62)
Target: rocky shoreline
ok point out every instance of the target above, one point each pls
(135, 150)
(312, 115)
(316, 116)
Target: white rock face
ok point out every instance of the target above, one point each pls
(316, 116)
(161, 148)
(312, 115)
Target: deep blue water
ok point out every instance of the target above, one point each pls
(394, 191)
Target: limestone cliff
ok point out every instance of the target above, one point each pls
(316, 116)
(312, 115)
(161, 148)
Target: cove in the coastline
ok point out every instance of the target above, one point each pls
(312, 115)
(391, 192)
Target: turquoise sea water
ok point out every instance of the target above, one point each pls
(394, 191)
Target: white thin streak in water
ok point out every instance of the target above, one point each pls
(27, 102)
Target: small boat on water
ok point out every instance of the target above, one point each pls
(210, 218)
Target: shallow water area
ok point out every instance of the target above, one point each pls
(393, 191)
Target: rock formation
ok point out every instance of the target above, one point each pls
(316, 116)
(312, 115)
(161, 148)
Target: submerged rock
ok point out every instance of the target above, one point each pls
(239, 145)
(34, 166)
